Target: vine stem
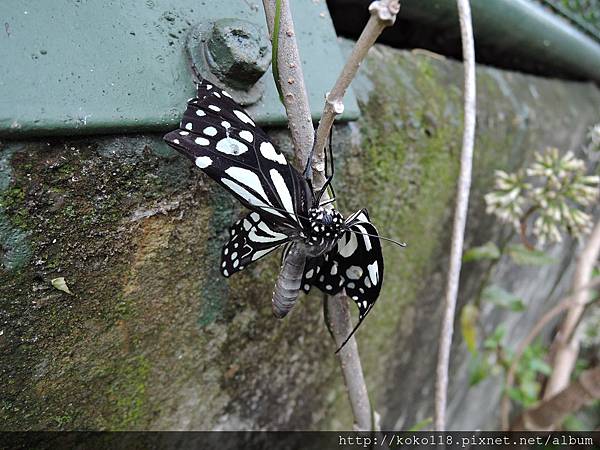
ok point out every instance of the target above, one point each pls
(292, 85)
(460, 216)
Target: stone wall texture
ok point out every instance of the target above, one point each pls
(153, 337)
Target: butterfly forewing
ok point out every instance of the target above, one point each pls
(354, 264)
(250, 239)
(223, 141)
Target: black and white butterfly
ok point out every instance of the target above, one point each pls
(223, 141)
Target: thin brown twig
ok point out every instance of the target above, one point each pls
(383, 14)
(563, 305)
(460, 216)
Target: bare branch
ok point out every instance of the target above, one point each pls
(460, 215)
(339, 321)
(567, 340)
(550, 413)
(291, 80)
(563, 305)
(383, 14)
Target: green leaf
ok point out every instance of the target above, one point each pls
(468, 326)
(522, 256)
(489, 250)
(501, 297)
(495, 340)
(479, 370)
(541, 366)
(420, 425)
(275, 49)
(516, 395)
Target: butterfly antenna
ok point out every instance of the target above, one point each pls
(393, 241)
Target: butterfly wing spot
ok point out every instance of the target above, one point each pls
(269, 152)
(243, 117)
(210, 131)
(176, 141)
(347, 247)
(246, 135)
(283, 192)
(354, 272)
(203, 161)
(184, 133)
(200, 113)
(248, 179)
(231, 146)
(188, 126)
(373, 272)
(201, 141)
(214, 108)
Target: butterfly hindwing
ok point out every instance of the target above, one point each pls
(250, 239)
(355, 263)
(223, 141)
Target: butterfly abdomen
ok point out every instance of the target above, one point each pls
(289, 281)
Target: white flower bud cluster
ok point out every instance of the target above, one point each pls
(507, 200)
(555, 188)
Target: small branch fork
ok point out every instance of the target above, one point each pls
(460, 216)
(338, 317)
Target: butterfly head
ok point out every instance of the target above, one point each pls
(325, 225)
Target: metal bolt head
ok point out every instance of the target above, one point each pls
(238, 52)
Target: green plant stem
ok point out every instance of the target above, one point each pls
(275, 49)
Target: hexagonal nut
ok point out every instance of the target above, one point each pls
(238, 52)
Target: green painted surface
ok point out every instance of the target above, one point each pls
(521, 28)
(82, 67)
(154, 338)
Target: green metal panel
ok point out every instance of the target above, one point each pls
(521, 27)
(101, 66)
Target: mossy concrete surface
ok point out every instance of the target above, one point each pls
(154, 338)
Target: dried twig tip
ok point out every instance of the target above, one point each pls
(385, 10)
